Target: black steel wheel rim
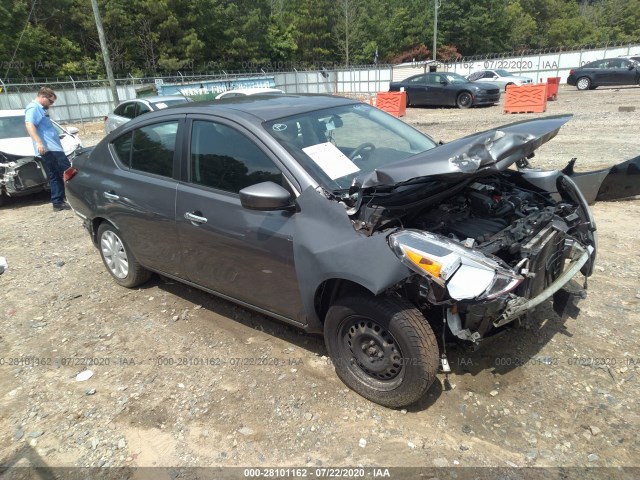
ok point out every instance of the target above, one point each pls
(371, 353)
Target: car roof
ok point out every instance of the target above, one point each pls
(155, 99)
(12, 113)
(253, 91)
(18, 112)
(264, 107)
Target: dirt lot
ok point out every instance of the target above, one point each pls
(183, 379)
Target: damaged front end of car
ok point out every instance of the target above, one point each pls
(484, 244)
(21, 175)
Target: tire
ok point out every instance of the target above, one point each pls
(464, 100)
(408, 101)
(507, 86)
(119, 259)
(583, 83)
(382, 348)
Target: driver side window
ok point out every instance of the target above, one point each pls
(225, 159)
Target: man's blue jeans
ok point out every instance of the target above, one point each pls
(56, 163)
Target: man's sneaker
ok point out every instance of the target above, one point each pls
(60, 207)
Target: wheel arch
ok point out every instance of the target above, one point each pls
(462, 92)
(332, 289)
(94, 226)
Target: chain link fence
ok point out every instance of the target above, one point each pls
(91, 99)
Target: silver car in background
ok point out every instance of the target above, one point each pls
(500, 78)
(131, 109)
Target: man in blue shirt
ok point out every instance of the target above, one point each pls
(47, 144)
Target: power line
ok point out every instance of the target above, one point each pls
(6, 75)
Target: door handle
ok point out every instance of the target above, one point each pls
(193, 218)
(111, 196)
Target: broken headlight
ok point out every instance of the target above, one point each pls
(465, 273)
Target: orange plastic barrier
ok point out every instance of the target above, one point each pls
(526, 99)
(552, 88)
(394, 103)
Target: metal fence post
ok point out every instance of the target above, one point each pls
(75, 90)
(4, 89)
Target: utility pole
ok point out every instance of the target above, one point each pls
(105, 52)
(436, 5)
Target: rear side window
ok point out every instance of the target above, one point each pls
(122, 146)
(418, 79)
(127, 110)
(225, 159)
(149, 149)
(142, 108)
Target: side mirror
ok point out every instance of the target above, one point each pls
(444, 82)
(72, 130)
(632, 66)
(266, 196)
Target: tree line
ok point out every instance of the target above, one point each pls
(149, 37)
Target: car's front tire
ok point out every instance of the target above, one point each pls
(120, 261)
(382, 348)
(464, 100)
(583, 83)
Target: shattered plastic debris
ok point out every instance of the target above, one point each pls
(84, 375)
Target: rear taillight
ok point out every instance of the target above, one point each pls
(571, 72)
(69, 173)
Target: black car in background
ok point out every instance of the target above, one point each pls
(607, 72)
(336, 217)
(446, 89)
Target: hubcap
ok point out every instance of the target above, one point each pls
(583, 84)
(465, 100)
(114, 254)
(373, 350)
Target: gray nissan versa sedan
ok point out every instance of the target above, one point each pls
(333, 216)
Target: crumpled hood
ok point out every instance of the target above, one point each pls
(495, 149)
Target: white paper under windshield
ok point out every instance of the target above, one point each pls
(331, 160)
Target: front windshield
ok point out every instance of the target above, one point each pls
(338, 144)
(12, 127)
(503, 73)
(455, 78)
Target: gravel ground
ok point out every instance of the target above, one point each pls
(184, 379)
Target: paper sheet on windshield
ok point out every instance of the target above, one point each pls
(331, 160)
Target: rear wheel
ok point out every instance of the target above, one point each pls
(382, 348)
(407, 99)
(119, 259)
(583, 83)
(464, 100)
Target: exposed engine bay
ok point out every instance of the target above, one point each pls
(500, 221)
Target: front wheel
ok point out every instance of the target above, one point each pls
(583, 83)
(464, 100)
(119, 259)
(382, 348)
